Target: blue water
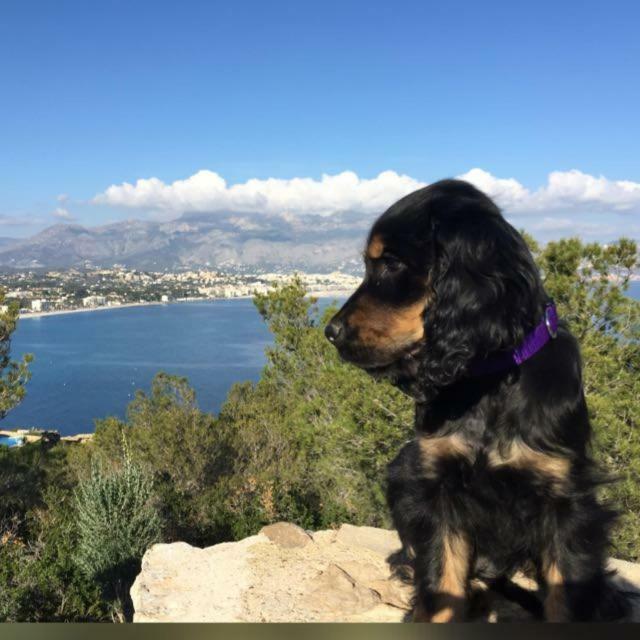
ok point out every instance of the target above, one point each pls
(10, 441)
(89, 365)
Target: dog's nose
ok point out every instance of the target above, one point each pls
(334, 332)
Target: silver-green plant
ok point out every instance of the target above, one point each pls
(116, 522)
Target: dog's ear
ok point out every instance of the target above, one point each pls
(487, 292)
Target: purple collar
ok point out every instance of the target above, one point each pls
(533, 342)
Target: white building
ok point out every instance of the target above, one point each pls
(16, 293)
(165, 298)
(94, 301)
(40, 305)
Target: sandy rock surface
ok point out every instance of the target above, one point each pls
(285, 574)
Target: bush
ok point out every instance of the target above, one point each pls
(181, 449)
(312, 438)
(39, 577)
(117, 522)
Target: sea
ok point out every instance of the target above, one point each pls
(89, 365)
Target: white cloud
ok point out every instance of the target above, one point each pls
(62, 214)
(564, 191)
(208, 191)
(507, 192)
(553, 224)
(558, 227)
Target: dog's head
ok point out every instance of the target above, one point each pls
(447, 280)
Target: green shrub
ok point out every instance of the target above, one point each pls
(312, 437)
(181, 449)
(116, 523)
(39, 578)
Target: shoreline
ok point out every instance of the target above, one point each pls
(320, 293)
(30, 436)
(62, 312)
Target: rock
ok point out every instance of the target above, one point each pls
(179, 582)
(393, 592)
(286, 535)
(381, 541)
(336, 594)
(285, 574)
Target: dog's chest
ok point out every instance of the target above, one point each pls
(471, 461)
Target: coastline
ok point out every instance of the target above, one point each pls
(320, 293)
(62, 312)
(25, 429)
(327, 295)
(18, 437)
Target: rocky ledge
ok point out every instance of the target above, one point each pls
(286, 574)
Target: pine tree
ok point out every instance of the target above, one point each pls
(13, 375)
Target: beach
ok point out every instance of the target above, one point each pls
(320, 293)
(62, 312)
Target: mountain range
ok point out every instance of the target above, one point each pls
(227, 241)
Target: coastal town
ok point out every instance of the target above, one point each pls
(45, 292)
(39, 293)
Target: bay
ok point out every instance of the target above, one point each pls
(89, 365)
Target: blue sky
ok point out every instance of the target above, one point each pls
(95, 94)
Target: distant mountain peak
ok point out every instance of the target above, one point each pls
(230, 240)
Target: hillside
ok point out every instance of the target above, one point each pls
(221, 240)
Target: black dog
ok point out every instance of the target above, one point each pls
(499, 477)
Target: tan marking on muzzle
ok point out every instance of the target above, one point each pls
(376, 247)
(383, 327)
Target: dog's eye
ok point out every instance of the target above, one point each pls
(392, 263)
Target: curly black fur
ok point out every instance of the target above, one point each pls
(499, 475)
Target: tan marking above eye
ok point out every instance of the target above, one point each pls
(382, 326)
(519, 455)
(376, 247)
